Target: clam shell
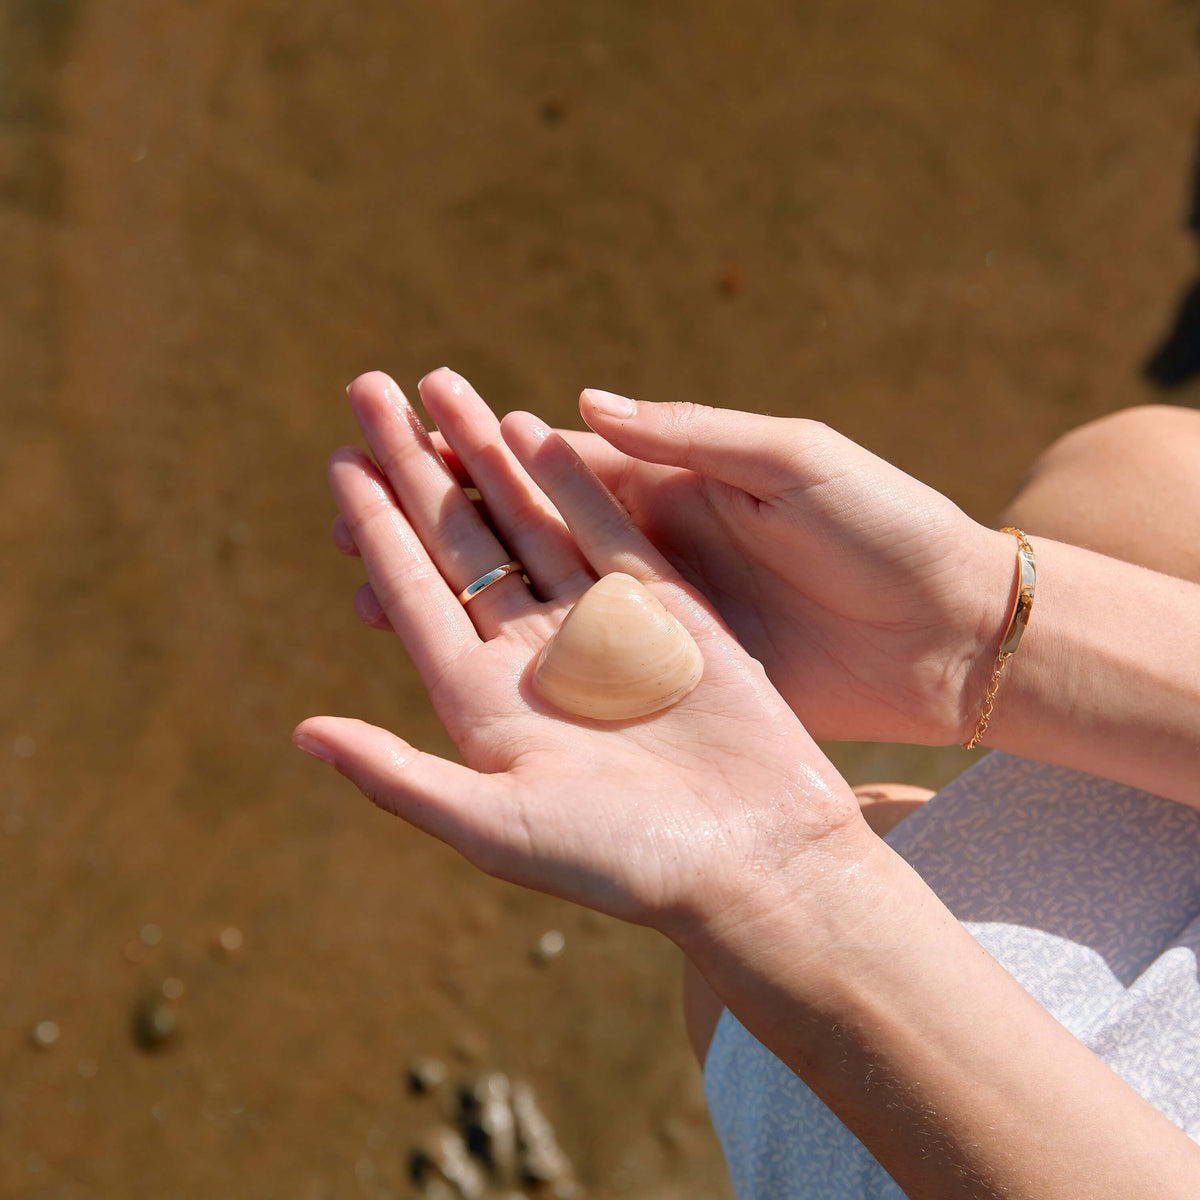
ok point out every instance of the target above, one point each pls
(617, 655)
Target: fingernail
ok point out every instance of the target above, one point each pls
(310, 745)
(610, 404)
(421, 381)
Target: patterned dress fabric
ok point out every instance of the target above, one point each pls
(1086, 891)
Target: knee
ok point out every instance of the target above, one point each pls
(1127, 485)
(1137, 437)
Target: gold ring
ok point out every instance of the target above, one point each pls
(485, 581)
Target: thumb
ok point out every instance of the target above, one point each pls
(758, 454)
(453, 803)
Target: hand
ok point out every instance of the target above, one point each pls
(874, 602)
(668, 820)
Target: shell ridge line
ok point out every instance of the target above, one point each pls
(618, 654)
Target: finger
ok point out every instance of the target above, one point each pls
(457, 540)
(746, 450)
(450, 459)
(600, 526)
(527, 522)
(368, 609)
(343, 543)
(464, 480)
(429, 620)
(640, 486)
(610, 465)
(458, 806)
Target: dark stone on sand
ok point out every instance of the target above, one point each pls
(154, 1024)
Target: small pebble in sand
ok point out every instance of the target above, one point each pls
(133, 950)
(229, 941)
(731, 279)
(549, 946)
(486, 1117)
(44, 1034)
(425, 1075)
(542, 1161)
(552, 111)
(151, 935)
(88, 1068)
(443, 1159)
(172, 988)
(153, 1024)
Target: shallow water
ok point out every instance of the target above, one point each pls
(952, 236)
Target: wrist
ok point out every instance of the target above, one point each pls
(794, 926)
(1099, 683)
(993, 576)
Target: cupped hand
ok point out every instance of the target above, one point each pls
(664, 820)
(873, 601)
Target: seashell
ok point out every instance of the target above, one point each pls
(425, 1075)
(617, 655)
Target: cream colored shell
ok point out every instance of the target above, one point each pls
(617, 655)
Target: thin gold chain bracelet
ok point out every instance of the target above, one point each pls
(1022, 607)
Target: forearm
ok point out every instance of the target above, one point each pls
(1107, 677)
(951, 1075)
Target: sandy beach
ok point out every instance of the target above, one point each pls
(952, 234)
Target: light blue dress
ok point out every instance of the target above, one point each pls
(1088, 892)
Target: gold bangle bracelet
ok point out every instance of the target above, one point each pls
(1022, 607)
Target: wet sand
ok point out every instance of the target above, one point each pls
(952, 235)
